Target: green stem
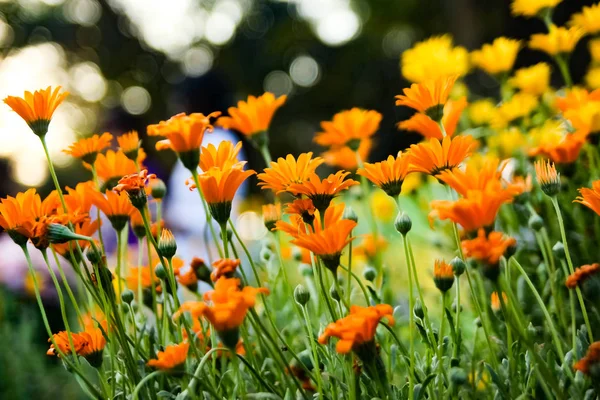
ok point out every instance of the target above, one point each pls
(207, 212)
(440, 353)
(411, 323)
(146, 379)
(563, 66)
(457, 329)
(315, 353)
(67, 286)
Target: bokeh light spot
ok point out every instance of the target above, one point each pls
(136, 100)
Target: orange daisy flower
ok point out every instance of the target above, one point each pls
(116, 206)
(271, 214)
(302, 208)
(590, 362)
(428, 97)
(346, 158)
(287, 171)
(589, 197)
(564, 152)
(16, 215)
(79, 200)
(184, 134)
(581, 274)
(388, 175)
(433, 156)
(96, 342)
(130, 143)
(443, 275)
(188, 279)
(547, 177)
(141, 276)
(135, 187)
(112, 166)
(88, 148)
(358, 328)
(224, 267)
(424, 125)
(495, 301)
(321, 192)
(371, 245)
(487, 249)
(37, 108)
(252, 117)
(64, 346)
(348, 128)
(173, 357)
(222, 157)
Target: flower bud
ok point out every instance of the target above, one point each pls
(458, 376)
(161, 272)
(536, 222)
(200, 269)
(333, 292)
(403, 223)
(458, 266)
(418, 309)
(370, 273)
(559, 250)
(301, 295)
(61, 234)
(477, 322)
(350, 214)
(94, 255)
(265, 255)
(167, 247)
(158, 189)
(127, 296)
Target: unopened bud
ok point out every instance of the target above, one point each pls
(559, 250)
(369, 273)
(127, 296)
(158, 189)
(418, 309)
(333, 292)
(167, 247)
(301, 295)
(403, 223)
(161, 272)
(350, 214)
(536, 222)
(94, 255)
(458, 266)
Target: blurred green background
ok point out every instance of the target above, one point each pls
(130, 63)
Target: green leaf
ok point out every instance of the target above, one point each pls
(418, 393)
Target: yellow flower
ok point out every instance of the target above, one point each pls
(497, 57)
(594, 46)
(482, 112)
(531, 8)
(534, 80)
(383, 206)
(588, 19)
(411, 183)
(592, 78)
(434, 58)
(507, 142)
(558, 40)
(519, 106)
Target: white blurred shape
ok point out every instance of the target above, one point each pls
(87, 81)
(29, 171)
(83, 12)
(198, 61)
(250, 226)
(136, 100)
(7, 34)
(304, 71)
(278, 83)
(338, 27)
(220, 27)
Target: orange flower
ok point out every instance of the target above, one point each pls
(288, 171)
(130, 143)
(95, 345)
(37, 108)
(271, 214)
(346, 158)
(424, 125)
(16, 215)
(581, 274)
(348, 128)
(188, 279)
(443, 275)
(371, 245)
(172, 357)
(589, 197)
(88, 148)
(321, 192)
(434, 156)
(117, 207)
(547, 177)
(223, 157)
(477, 210)
(79, 200)
(495, 301)
(487, 248)
(62, 341)
(112, 166)
(253, 116)
(135, 187)
(589, 363)
(388, 175)
(566, 151)
(428, 97)
(224, 267)
(357, 328)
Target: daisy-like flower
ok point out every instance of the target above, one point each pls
(271, 214)
(425, 126)
(224, 156)
(16, 215)
(581, 274)
(443, 275)
(304, 208)
(356, 332)
(370, 246)
(547, 177)
(135, 187)
(588, 19)
(172, 358)
(88, 148)
(558, 40)
(224, 267)
(184, 135)
(116, 206)
(519, 106)
(219, 187)
(588, 365)
(37, 108)
(589, 197)
(112, 166)
(428, 97)
(345, 157)
(487, 249)
(63, 343)
(322, 191)
(287, 171)
(130, 143)
(189, 279)
(495, 301)
(96, 342)
(562, 148)
(433, 156)
(389, 174)
(348, 128)
(498, 57)
(534, 80)
(252, 118)
(434, 58)
(532, 8)
(482, 112)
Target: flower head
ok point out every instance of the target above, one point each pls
(559, 40)
(533, 80)
(224, 156)
(520, 105)
(588, 19)
(561, 147)
(532, 8)
(16, 215)
(358, 327)
(37, 108)
(588, 365)
(547, 177)
(589, 197)
(487, 248)
(345, 157)
(271, 214)
(424, 125)
(253, 116)
(63, 343)
(116, 206)
(135, 187)
(302, 207)
(434, 58)
(348, 128)
(443, 275)
(95, 345)
(428, 97)
(495, 301)
(172, 357)
(287, 171)
(497, 57)
(482, 112)
(322, 191)
(581, 274)
(112, 166)
(88, 148)
(130, 143)
(389, 174)
(433, 156)
(224, 267)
